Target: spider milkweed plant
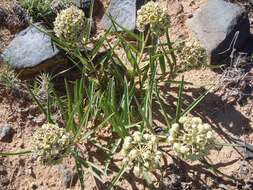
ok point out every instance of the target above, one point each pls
(118, 91)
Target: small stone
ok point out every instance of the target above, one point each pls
(220, 26)
(34, 186)
(6, 132)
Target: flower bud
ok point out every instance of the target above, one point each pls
(137, 136)
(146, 136)
(137, 171)
(196, 120)
(171, 139)
(133, 154)
(209, 135)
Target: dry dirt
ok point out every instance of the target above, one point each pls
(23, 173)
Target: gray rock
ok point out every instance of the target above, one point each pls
(31, 50)
(123, 12)
(6, 132)
(216, 25)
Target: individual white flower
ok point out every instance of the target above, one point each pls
(127, 143)
(146, 136)
(196, 120)
(171, 139)
(209, 135)
(184, 149)
(158, 157)
(128, 139)
(174, 129)
(182, 120)
(153, 139)
(177, 147)
(137, 171)
(146, 165)
(207, 127)
(133, 154)
(147, 154)
(137, 136)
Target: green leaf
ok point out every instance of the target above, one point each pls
(162, 63)
(15, 153)
(195, 103)
(79, 163)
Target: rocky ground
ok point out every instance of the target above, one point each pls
(19, 118)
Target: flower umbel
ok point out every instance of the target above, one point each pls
(191, 139)
(51, 143)
(190, 53)
(70, 24)
(151, 15)
(141, 153)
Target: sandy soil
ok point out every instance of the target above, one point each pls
(23, 173)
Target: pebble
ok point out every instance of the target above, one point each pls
(34, 186)
(6, 132)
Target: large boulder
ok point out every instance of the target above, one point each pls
(32, 51)
(123, 13)
(221, 27)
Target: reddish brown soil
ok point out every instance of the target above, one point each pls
(23, 173)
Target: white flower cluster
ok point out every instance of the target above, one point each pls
(141, 152)
(51, 143)
(70, 24)
(190, 52)
(151, 15)
(191, 139)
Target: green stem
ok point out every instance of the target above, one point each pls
(141, 57)
(173, 56)
(168, 60)
(14, 153)
(227, 144)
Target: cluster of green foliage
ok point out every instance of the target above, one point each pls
(37, 9)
